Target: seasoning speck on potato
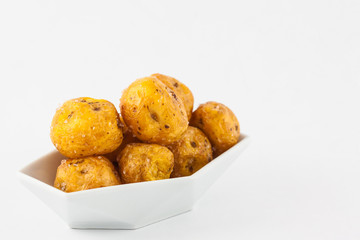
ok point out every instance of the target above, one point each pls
(153, 112)
(85, 127)
(191, 152)
(140, 162)
(219, 124)
(85, 173)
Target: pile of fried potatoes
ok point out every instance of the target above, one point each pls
(157, 135)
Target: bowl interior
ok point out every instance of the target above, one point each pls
(44, 169)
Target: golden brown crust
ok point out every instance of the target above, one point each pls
(128, 138)
(153, 112)
(85, 173)
(122, 125)
(219, 124)
(180, 89)
(145, 162)
(85, 127)
(191, 152)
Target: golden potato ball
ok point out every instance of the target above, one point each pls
(191, 152)
(85, 173)
(85, 127)
(140, 162)
(181, 90)
(153, 112)
(219, 124)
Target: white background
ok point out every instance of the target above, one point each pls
(290, 70)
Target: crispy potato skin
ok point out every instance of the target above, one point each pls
(140, 162)
(180, 89)
(153, 112)
(85, 126)
(191, 152)
(85, 173)
(128, 137)
(219, 124)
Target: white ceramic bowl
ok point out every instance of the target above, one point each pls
(127, 206)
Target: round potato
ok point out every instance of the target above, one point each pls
(140, 162)
(85, 126)
(191, 152)
(181, 90)
(219, 124)
(85, 173)
(153, 112)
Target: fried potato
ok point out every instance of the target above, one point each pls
(145, 162)
(153, 112)
(219, 124)
(181, 90)
(191, 152)
(85, 127)
(85, 173)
